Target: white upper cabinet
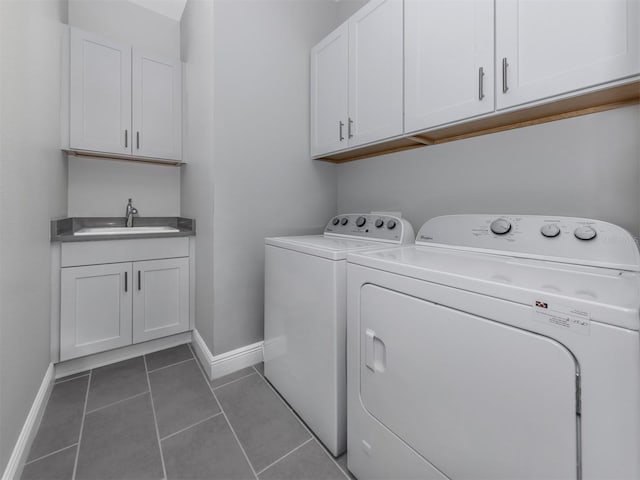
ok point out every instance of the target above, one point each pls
(449, 68)
(356, 80)
(329, 83)
(551, 47)
(429, 71)
(157, 110)
(122, 100)
(100, 94)
(375, 72)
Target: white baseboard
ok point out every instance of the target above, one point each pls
(25, 439)
(228, 362)
(81, 364)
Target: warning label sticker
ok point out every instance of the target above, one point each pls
(562, 316)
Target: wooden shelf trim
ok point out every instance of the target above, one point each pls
(125, 158)
(585, 104)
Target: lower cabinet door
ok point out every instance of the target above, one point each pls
(161, 298)
(96, 306)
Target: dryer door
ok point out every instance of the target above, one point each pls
(476, 398)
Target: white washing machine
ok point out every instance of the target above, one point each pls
(305, 316)
(496, 348)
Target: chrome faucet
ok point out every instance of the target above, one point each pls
(131, 211)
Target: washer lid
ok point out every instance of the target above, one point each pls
(332, 248)
(607, 295)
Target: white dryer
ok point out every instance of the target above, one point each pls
(496, 348)
(305, 316)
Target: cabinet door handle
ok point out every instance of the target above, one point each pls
(126, 138)
(349, 128)
(126, 277)
(480, 83)
(340, 125)
(505, 65)
(139, 282)
(138, 140)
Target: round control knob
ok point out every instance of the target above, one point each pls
(335, 221)
(500, 226)
(391, 224)
(361, 221)
(585, 233)
(550, 230)
(379, 223)
(344, 221)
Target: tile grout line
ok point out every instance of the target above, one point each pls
(58, 382)
(332, 458)
(169, 366)
(155, 419)
(190, 426)
(232, 381)
(116, 402)
(49, 454)
(286, 455)
(307, 429)
(84, 415)
(227, 420)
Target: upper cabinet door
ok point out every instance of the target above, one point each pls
(329, 80)
(100, 94)
(449, 72)
(549, 47)
(157, 106)
(375, 72)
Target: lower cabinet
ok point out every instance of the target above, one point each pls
(96, 309)
(160, 298)
(113, 305)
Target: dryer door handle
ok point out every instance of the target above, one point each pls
(375, 355)
(369, 340)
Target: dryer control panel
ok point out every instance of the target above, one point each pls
(562, 239)
(385, 228)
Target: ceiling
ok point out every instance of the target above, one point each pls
(169, 8)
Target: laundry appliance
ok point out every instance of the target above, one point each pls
(305, 316)
(496, 348)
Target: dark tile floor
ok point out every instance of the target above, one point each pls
(158, 416)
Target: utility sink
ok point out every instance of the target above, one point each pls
(87, 229)
(125, 230)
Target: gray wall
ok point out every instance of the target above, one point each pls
(346, 8)
(263, 181)
(32, 191)
(102, 187)
(585, 166)
(127, 22)
(197, 175)
(99, 187)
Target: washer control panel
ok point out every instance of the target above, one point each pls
(500, 226)
(386, 228)
(565, 239)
